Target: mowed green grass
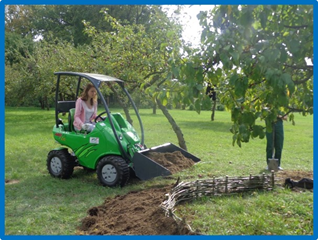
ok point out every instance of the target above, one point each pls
(37, 204)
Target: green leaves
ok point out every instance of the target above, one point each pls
(258, 131)
(272, 54)
(235, 57)
(247, 18)
(244, 126)
(265, 65)
(248, 118)
(263, 19)
(240, 85)
(287, 80)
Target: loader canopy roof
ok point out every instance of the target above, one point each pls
(94, 77)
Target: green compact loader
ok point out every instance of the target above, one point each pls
(113, 148)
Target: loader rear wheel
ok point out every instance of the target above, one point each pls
(60, 163)
(112, 171)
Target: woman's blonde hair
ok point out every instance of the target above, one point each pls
(84, 95)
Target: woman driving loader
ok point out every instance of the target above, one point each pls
(86, 109)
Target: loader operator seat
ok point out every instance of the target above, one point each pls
(71, 119)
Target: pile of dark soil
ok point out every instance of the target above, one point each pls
(174, 162)
(136, 213)
(295, 175)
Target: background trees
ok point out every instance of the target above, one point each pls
(259, 58)
(126, 54)
(65, 22)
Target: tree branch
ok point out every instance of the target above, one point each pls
(254, 100)
(303, 80)
(153, 73)
(253, 84)
(153, 80)
(291, 109)
(296, 27)
(298, 110)
(299, 67)
(161, 82)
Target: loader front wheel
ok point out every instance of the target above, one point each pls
(112, 171)
(60, 163)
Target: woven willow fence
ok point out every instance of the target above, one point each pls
(186, 191)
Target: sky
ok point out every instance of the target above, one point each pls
(190, 22)
(192, 29)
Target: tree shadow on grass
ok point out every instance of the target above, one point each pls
(206, 125)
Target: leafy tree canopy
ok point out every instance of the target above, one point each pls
(66, 22)
(260, 58)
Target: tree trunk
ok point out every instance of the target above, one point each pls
(41, 103)
(154, 108)
(46, 103)
(123, 104)
(174, 125)
(213, 110)
(126, 110)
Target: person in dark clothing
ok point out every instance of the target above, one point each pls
(210, 92)
(278, 131)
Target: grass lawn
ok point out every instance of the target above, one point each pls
(37, 204)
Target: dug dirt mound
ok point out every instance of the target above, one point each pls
(174, 162)
(139, 212)
(136, 213)
(294, 175)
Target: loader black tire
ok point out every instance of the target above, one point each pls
(112, 171)
(60, 163)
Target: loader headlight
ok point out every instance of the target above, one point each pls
(132, 135)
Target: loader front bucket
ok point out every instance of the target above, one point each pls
(146, 168)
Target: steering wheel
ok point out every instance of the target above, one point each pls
(100, 116)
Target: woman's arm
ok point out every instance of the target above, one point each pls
(78, 116)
